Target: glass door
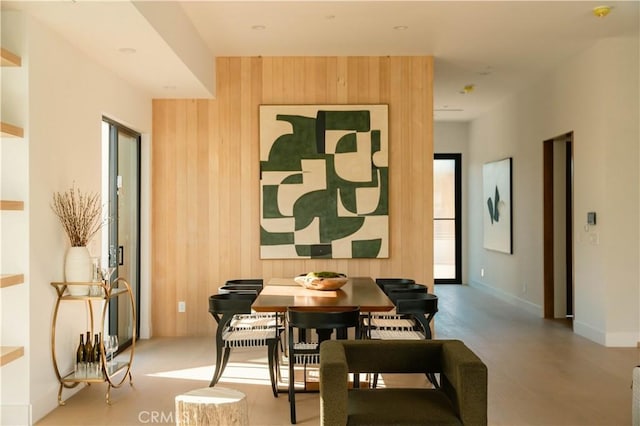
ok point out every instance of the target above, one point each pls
(447, 246)
(124, 226)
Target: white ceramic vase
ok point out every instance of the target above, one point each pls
(77, 268)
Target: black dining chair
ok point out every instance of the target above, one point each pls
(414, 313)
(387, 288)
(242, 285)
(238, 326)
(384, 284)
(245, 281)
(393, 281)
(393, 293)
(305, 352)
(225, 289)
(412, 321)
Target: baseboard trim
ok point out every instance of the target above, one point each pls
(530, 307)
(16, 414)
(587, 331)
(622, 340)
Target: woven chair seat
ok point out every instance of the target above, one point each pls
(389, 322)
(245, 338)
(397, 334)
(254, 321)
(303, 358)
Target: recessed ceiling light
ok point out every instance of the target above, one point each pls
(601, 11)
(467, 89)
(330, 17)
(400, 27)
(127, 50)
(169, 87)
(258, 27)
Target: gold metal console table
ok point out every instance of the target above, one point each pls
(116, 374)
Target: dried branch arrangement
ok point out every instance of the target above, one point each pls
(79, 214)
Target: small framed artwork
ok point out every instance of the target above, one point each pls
(498, 205)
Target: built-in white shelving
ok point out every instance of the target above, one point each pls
(10, 133)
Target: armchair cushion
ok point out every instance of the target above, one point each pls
(400, 407)
(461, 399)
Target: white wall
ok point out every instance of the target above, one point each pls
(451, 137)
(69, 94)
(14, 227)
(595, 95)
(620, 234)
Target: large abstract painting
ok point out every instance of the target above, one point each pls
(497, 207)
(324, 178)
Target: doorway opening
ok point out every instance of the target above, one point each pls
(123, 253)
(447, 220)
(558, 226)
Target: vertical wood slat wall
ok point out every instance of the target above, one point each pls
(205, 177)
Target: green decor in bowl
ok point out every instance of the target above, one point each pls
(322, 280)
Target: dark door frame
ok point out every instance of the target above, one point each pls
(114, 253)
(457, 158)
(548, 227)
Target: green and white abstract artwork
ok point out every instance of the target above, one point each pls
(324, 179)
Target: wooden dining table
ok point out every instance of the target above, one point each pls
(281, 293)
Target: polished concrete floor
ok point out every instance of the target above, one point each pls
(540, 373)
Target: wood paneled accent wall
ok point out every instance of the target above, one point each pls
(205, 176)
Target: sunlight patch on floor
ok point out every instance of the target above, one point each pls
(235, 372)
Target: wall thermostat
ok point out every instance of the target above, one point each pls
(591, 218)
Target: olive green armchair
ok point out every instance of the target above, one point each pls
(461, 398)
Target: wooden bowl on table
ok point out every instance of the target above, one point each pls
(317, 281)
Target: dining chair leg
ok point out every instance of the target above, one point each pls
(218, 370)
(433, 380)
(223, 365)
(292, 391)
(273, 365)
(365, 332)
(278, 367)
(213, 379)
(225, 360)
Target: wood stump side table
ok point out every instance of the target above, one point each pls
(212, 406)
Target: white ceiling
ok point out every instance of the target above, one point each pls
(498, 46)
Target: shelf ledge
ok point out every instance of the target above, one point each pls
(7, 280)
(10, 131)
(10, 59)
(11, 205)
(10, 353)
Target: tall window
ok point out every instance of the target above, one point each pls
(447, 246)
(124, 226)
